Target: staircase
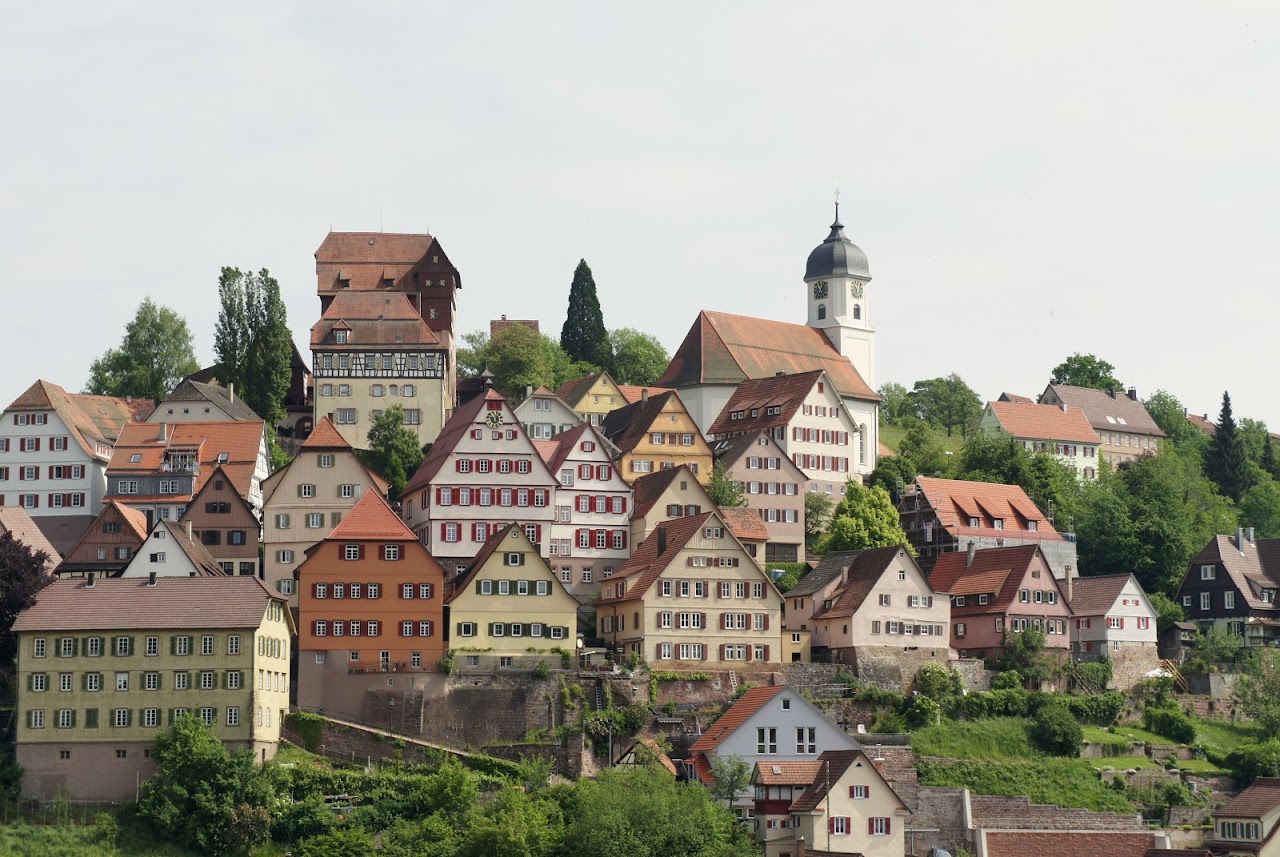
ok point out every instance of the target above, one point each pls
(599, 696)
(733, 682)
(1082, 681)
(1178, 678)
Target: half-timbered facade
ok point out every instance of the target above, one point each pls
(1231, 584)
(108, 545)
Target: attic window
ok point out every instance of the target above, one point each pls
(1032, 526)
(975, 522)
(135, 458)
(340, 337)
(388, 282)
(344, 282)
(223, 457)
(755, 412)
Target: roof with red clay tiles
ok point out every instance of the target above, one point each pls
(833, 765)
(979, 583)
(865, 570)
(1094, 596)
(572, 391)
(746, 524)
(547, 449)
(1203, 423)
(951, 568)
(656, 751)
(325, 436)
(954, 501)
(635, 392)
(1017, 399)
(86, 417)
(15, 521)
(722, 348)
(883, 451)
(1106, 410)
(1044, 422)
(646, 564)
(394, 248)
(785, 392)
(629, 425)
(240, 439)
(371, 519)
(131, 603)
(383, 318)
(702, 768)
(1261, 797)
(499, 324)
(1020, 843)
(457, 426)
(564, 444)
(748, 704)
(786, 773)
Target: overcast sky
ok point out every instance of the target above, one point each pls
(1026, 179)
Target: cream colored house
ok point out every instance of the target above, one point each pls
(848, 808)
(544, 415)
(664, 496)
(508, 609)
(1059, 430)
(105, 665)
(593, 397)
(1246, 826)
(306, 499)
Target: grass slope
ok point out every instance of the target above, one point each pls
(994, 739)
(1063, 782)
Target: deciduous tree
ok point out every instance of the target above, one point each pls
(638, 358)
(817, 516)
(1258, 693)
(252, 342)
(1260, 508)
(723, 491)
(947, 402)
(865, 518)
(583, 336)
(393, 453)
(895, 403)
(154, 356)
(732, 777)
(22, 575)
(1086, 370)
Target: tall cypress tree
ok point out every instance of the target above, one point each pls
(583, 336)
(252, 340)
(1225, 460)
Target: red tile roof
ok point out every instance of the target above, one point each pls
(83, 554)
(1044, 422)
(748, 704)
(784, 392)
(635, 392)
(865, 570)
(366, 258)
(1021, 843)
(15, 521)
(384, 318)
(769, 773)
(131, 603)
(457, 426)
(988, 566)
(646, 564)
(955, 501)
(86, 417)
(325, 436)
(722, 348)
(833, 765)
(371, 519)
(980, 582)
(239, 439)
(746, 524)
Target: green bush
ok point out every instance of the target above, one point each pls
(1099, 709)
(308, 727)
(1055, 731)
(922, 711)
(1169, 723)
(1250, 761)
(1008, 680)
(1097, 672)
(937, 682)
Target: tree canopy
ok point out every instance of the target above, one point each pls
(895, 403)
(638, 358)
(154, 356)
(518, 358)
(583, 336)
(723, 490)
(252, 342)
(1225, 461)
(947, 402)
(865, 518)
(393, 453)
(22, 575)
(1086, 370)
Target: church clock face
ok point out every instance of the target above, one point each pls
(856, 289)
(494, 418)
(820, 290)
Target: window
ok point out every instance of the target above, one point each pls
(766, 738)
(35, 718)
(124, 647)
(151, 681)
(206, 645)
(806, 740)
(350, 552)
(391, 553)
(1208, 572)
(1206, 600)
(858, 792)
(1229, 600)
(840, 825)
(120, 720)
(878, 826)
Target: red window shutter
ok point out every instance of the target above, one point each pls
(871, 826)
(36, 497)
(442, 531)
(1122, 622)
(766, 653)
(537, 532)
(888, 826)
(851, 791)
(439, 495)
(457, 465)
(722, 651)
(704, 622)
(624, 505)
(704, 652)
(657, 652)
(624, 532)
(724, 618)
(749, 650)
(766, 621)
(37, 444)
(831, 825)
(314, 626)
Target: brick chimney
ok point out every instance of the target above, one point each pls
(662, 540)
(969, 553)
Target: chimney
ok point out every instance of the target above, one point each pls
(1065, 407)
(662, 540)
(231, 390)
(644, 394)
(800, 852)
(1132, 393)
(1070, 584)
(151, 579)
(89, 584)
(164, 432)
(971, 550)
(1111, 391)
(1240, 539)
(1248, 534)
(528, 390)
(779, 374)
(190, 537)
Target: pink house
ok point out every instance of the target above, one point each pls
(1001, 589)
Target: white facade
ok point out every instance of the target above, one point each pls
(44, 470)
(590, 537)
(838, 306)
(162, 554)
(1130, 622)
(826, 441)
(544, 416)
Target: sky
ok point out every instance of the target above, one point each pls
(1028, 180)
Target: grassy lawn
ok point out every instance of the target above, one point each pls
(998, 739)
(288, 754)
(1224, 736)
(891, 436)
(29, 840)
(1063, 782)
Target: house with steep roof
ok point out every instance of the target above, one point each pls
(999, 590)
(657, 433)
(692, 595)
(172, 550)
(773, 487)
(1059, 430)
(17, 523)
(871, 606)
(806, 416)
(848, 807)
(1231, 584)
(1125, 429)
(590, 537)
(482, 473)
(765, 726)
(748, 529)
(777, 785)
(665, 495)
(54, 450)
(226, 524)
(197, 402)
(159, 468)
(306, 498)
(370, 611)
(1112, 618)
(105, 665)
(593, 397)
(944, 515)
(508, 610)
(108, 545)
(544, 415)
(1247, 825)
(372, 350)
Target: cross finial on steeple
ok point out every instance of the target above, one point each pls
(837, 224)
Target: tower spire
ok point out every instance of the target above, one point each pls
(837, 224)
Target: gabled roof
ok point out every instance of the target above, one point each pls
(15, 521)
(196, 391)
(866, 567)
(646, 564)
(650, 487)
(210, 485)
(833, 764)
(829, 569)
(954, 501)
(462, 580)
(731, 451)
(635, 392)
(739, 713)
(87, 417)
(241, 440)
(1259, 561)
(195, 552)
(1043, 422)
(325, 436)
(629, 425)
(786, 393)
(988, 563)
(384, 318)
(371, 519)
(1262, 796)
(746, 524)
(572, 391)
(722, 348)
(366, 258)
(133, 604)
(781, 773)
(564, 445)
(133, 522)
(629, 755)
(453, 431)
(1014, 397)
(1094, 596)
(980, 583)
(1106, 410)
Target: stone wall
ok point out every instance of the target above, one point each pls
(973, 673)
(1220, 685)
(1128, 665)
(937, 821)
(891, 668)
(567, 759)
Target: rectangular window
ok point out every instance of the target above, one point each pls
(1206, 600)
(1229, 600)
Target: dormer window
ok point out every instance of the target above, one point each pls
(387, 282)
(975, 522)
(998, 523)
(344, 282)
(1032, 526)
(340, 336)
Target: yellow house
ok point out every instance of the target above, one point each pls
(508, 609)
(593, 397)
(847, 808)
(104, 665)
(657, 433)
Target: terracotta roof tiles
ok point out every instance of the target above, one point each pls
(987, 565)
(1020, 843)
(1044, 422)
(241, 440)
(769, 773)
(785, 393)
(87, 417)
(371, 519)
(325, 436)
(746, 524)
(955, 501)
(635, 392)
(383, 318)
(1262, 796)
(747, 704)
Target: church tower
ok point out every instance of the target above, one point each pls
(837, 282)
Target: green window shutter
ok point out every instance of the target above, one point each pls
(131, 645)
(73, 718)
(215, 717)
(190, 678)
(221, 678)
(170, 716)
(91, 718)
(31, 685)
(75, 647)
(159, 681)
(28, 718)
(128, 717)
(84, 681)
(173, 645)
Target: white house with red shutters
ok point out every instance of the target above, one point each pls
(590, 536)
(482, 473)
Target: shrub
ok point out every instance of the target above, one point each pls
(922, 711)
(937, 682)
(1250, 761)
(1170, 723)
(541, 670)
(308, 727)
(1055, 732)
(1099, 709)
(1097, 672)
(1008, 680)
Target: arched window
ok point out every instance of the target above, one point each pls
(862, 443)
(822, 311)
(857, 310)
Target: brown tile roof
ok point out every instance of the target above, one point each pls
(325, 436)
(1013, 562)
(383, 318)
(865, 570)
(196, 391)
(833, 764)
(572, 391)
(722, 348)
(635, 392)
(453, 431)
(1106, 410)
(371, 519)
(746, 524)
(1259, 561)
(1094, 596)
(955, 501)
(830, 568)
(83, 554)
(748, 704)
(462, 580)
(646, 564)
(1044, 422)
(650, 487)
(1262, 796)
(1020, 843)
(500, 324)
(240, 439)
(86, 417)
(629, 425)
(1014, 397)
(883, 451)
(197, 553)
(1202, 423)
(784, 392)
(15, 521)
(786, 773)
(980, 582)
(366, 258)
(130, 603)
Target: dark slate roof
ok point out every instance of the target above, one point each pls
(650, 487)
(826, 571)
(627, 426)
(786, 392)
(837, 256)
(1259, 561)
(1254, 802)
(195, 391)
